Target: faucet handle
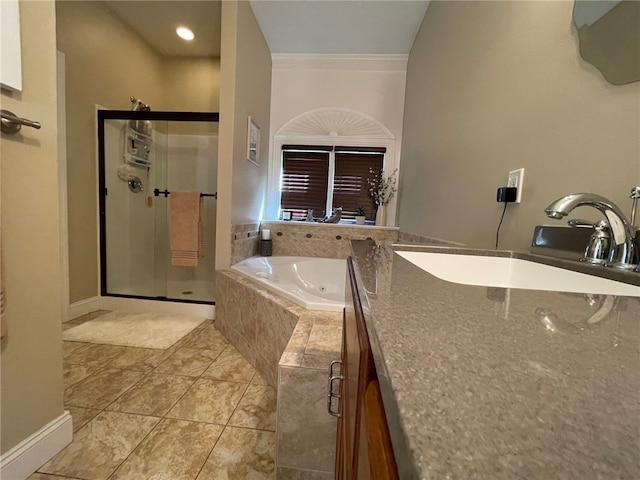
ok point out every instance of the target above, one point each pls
(599, 245)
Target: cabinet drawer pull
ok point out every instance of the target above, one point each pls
(331, 365)
(330, 395)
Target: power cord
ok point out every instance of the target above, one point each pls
(506, 195)
(500, 224)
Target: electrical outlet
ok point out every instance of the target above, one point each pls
(516, 178)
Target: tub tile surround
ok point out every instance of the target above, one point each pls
(302, 239)
(291, 348)
(497, 393)
(306, 433)
(244, 241)
(256, 321)
(416, 239)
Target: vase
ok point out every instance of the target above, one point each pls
(381, 216)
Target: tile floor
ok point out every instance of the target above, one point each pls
(197, 410)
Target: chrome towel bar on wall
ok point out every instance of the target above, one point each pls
(11, 124)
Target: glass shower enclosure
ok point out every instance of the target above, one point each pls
(144, 156)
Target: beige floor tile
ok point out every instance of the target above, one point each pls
(69, 348)
(257, 409)
(211, 401)
(76, 373)
(188, 361)
(208, 323)
(241, 454)
(207, 338)
(175, 450)
(153, 395)
(102, 388)
(259, 380)
(95, 355)
(45, 476)
(81, 416)
(100, 446)
(139, 359)
(230, 366)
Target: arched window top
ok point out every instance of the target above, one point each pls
(335, 122)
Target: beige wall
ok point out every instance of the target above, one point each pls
(190, 84)
(495, 86)
(31, 381)
(366, 84)
(245, 89)
(106, 63)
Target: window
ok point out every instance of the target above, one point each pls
(323, 178)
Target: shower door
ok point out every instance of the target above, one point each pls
(143, 157)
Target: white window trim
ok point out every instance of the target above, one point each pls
(274, 187)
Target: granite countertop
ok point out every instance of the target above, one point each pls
(493, 383)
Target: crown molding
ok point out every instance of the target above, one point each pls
(379, 63)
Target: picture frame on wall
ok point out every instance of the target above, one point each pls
(253, 142)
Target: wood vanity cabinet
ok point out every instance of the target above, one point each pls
(363, 447)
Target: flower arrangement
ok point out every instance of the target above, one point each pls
(382, 189)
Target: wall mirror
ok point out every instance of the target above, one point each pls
(609, 37)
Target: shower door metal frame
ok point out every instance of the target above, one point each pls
(103, 115)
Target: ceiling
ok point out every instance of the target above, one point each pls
(156, 22)
(364, 27)
(290, 26)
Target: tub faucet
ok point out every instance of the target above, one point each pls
(623, 251)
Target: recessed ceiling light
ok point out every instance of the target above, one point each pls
(185, 33)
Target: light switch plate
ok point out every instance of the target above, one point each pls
(516, 179)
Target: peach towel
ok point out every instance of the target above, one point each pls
(185, 229)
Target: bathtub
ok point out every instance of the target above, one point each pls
(312, 283)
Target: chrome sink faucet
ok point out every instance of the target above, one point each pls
(623, 253)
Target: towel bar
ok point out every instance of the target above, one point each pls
(157, 192)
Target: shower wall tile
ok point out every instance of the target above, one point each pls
(244, 241)
(323, 240)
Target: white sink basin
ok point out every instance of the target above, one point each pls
(513, 273)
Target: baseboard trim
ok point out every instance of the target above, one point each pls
(37, 449)
(83, 307)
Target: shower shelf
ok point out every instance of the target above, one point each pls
(139, 136)
(137, 161)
